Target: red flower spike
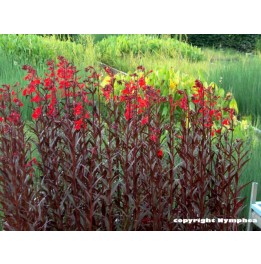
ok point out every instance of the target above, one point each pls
(153, 137)
(87, 115)
(160, 154)
(18, 102)
(225, 122)
(47, 82)
(128, 112)
(24, 92)
(142, 82)
(208, 125)
(107, 91)
(218, 131)
(196, 101)
(218, 115)
(51, 110)
(36, 99)
(145, 120)
(184, 103)
(14, 117)
(78, 109)
(212, 112)
(36, 81)
(78, 124)
(128, 115)
(37, 112)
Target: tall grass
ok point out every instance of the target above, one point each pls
(251, 173)
(243, 79)
(35, 50)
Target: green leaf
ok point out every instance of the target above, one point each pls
(233, 104)
(192, 106)
(165, 111)
(221, 92)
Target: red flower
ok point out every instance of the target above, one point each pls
(212, 112)
(128, 112)
(225, 122)
(128, 89)
(36, 98)
(37, 112)
(218, 130)
(153, 137)
(78, 109)
(107, 91)
(51, 109)
(1, 119)
(14, 117)
(30, 89)
(47, 82)
(18, 102)
(24, 92)
(145, 120)
(142, 103)
(218, 115)
(78, 124)
(160, 153)
(198, 84)
(208, 125)
(142, 82)
(184, 103)
(196, 101)
(48, 96)
(64, 84)
(87, 115)
(36, 81)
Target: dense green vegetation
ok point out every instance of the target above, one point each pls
(36, 49)
(241, 42)
(175, 65)
(113, 48)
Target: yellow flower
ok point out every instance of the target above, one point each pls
(173, 84)
(244, 124)
(105, 81)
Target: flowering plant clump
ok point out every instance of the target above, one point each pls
(101, 160)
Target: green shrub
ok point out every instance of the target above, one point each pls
(243, 42)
